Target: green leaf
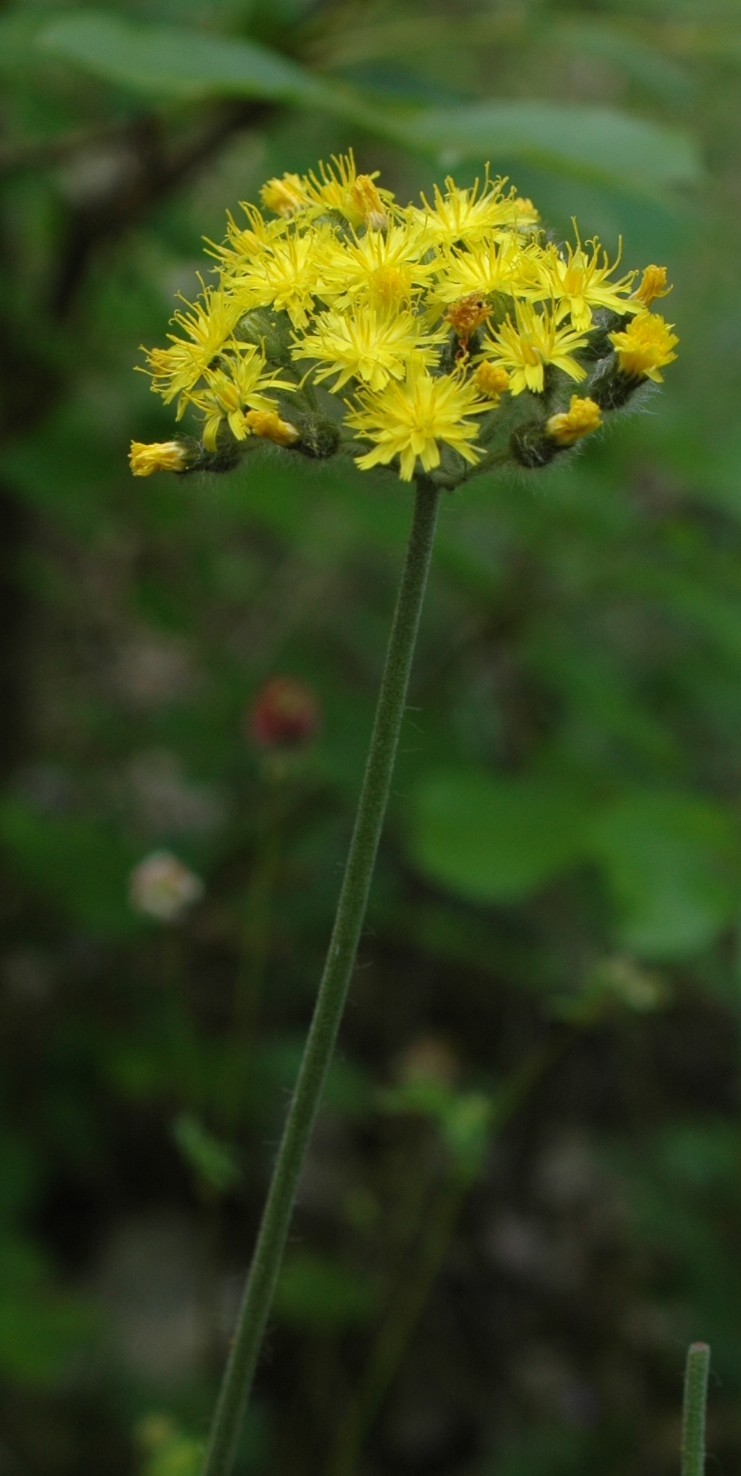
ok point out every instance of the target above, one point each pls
(493, 840)
(173, 62)
(665, 859)
(601, 144)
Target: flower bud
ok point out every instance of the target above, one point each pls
(269, 331)
(285, 714)
(582, 417)
(167, 456)
(319, 437)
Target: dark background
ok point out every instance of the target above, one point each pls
(523, 1197)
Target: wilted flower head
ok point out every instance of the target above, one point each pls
(162, 887)
(439, 339)
(284, 714)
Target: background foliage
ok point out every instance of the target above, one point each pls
(524, 1196)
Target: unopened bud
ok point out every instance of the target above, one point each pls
(268, 425)
(270, 331)
(582, 417)
(159, 456)
(319, 437)
(285, 714)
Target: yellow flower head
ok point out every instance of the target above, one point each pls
(578, 280)
(653, 284)
(582, 417)
(367, 343)
(527, 345)
(284, 196)
(240, 385)
(284, 276)
(167, 456)
(338, 187)
(404, 335)
(469, 215)
(411, 420)
(491, 380)
(386, 268)
(645, 347)
(484, 268)
(208, 326)
(244, 244)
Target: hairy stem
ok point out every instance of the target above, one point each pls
(333, 989)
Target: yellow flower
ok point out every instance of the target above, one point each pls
(386, 268)
(209, 326)
(653, 284)
(240, 385)
(579, 281)
(645, 347)
(530, 343)
(284, 276)
(170, 456)
(284, 196)
(488, 267)
(469, 215)
(581, 418)
(491, 380)
(411, 421)
(245, 243)
(367, 343)
(338, 187)
(419, 318)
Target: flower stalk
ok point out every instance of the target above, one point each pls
(320, 1042)
(696, 1374)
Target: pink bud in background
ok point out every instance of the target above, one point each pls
(285, 714)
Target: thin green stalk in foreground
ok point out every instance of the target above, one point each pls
(333, 989)
(693, 1409)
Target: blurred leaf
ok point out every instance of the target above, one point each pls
(177, 63)
(665, 858)
(212, 1161)
(317, 1293)
(493, 840)
(624, 49)
(601, 144)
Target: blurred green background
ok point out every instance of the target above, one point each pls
(524, 1195)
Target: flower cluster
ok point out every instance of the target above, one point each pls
(437, 339)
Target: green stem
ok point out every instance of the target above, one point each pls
(333, 989)
(693, 1409)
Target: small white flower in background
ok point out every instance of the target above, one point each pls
(161, 886)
